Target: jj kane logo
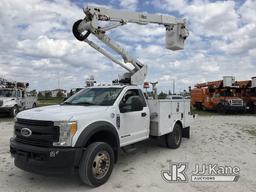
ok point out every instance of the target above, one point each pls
(201, 173)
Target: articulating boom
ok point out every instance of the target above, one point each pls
(176, 33)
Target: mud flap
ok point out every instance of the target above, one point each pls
(186, 132)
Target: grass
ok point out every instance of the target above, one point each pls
(212, 113)
(51, 101)
(203, 113)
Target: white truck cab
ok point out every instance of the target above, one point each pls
(86, 132)
(14, 99)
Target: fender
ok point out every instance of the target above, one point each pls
(94, 128)
(185, 130)
(176, 121)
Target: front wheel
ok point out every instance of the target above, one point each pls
(14, 111)
(173, 139)
(97, 164)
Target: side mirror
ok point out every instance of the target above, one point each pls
(134, 105)
(137, 104)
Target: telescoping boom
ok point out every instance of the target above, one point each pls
(176, 33)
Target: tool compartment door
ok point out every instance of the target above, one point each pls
(187, 113)
(165, 117)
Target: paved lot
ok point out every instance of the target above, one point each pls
(228, 140)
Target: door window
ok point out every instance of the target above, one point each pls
(126, 101)
(18, 93)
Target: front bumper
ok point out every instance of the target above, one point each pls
(46, 161)
(234, 108)
(5, 109)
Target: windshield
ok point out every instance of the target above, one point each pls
(224, 94)
(7, 93)
(94, 96)
(227, 94)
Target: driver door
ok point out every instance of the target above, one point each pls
(134, 125)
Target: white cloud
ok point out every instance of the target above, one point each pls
(217, 18)
(206, 18)
(37, 44)
(170, 5)
(129, 4)
(45, 47)
(247, 11)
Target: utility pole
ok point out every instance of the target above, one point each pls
(173, 86)
(58, 80)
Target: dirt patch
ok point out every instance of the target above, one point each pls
(224, 140)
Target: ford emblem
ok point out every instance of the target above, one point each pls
(25, 132)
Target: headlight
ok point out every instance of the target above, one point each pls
(67, 131)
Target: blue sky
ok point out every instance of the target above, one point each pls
(37, 44)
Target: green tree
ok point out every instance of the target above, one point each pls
(33, 92)
(60, 94)
(40, 96)
(48, 94)
(162, 95)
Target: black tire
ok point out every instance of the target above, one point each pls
(253, 109)
(198, 106)
(173, 139)
(14, 111)
(221, 109)
(90, 161)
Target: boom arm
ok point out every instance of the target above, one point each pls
(176, 33)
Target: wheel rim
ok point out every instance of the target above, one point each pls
(177, 136)
(14, 112)
(101, 164)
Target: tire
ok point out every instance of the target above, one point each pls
(14, 111)
(254, 109)
(96, 154)
(198, 106)
(221, 109)
(173, 139)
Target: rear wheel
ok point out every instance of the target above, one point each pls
(173, 139)
(198, 106)
(253, 109)
(97, 164)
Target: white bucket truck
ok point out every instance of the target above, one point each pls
(87, 131)
(14, 97)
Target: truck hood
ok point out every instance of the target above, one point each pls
(59, 112)
(6, 99)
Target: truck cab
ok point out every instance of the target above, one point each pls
(86, 132)
(225, 101)
(13, 100)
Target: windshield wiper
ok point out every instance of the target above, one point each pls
(66, 103)
(80, 103)
(85, 103)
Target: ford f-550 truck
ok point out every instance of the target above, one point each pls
(87, 131)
